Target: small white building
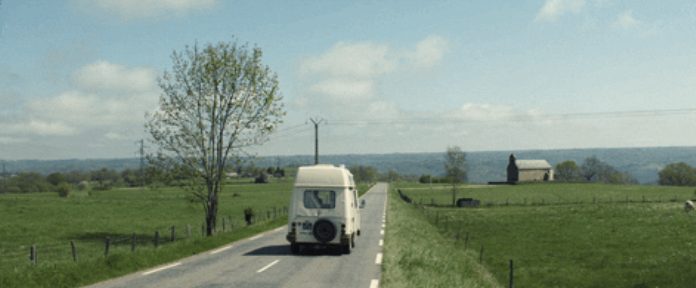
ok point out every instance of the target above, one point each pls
(528, 170)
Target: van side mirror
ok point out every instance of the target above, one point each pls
(362, 203)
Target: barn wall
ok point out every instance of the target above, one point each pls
(532, 175)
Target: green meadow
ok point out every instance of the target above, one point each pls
(88, 218)
(567, 235)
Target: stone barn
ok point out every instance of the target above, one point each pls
(528, 170)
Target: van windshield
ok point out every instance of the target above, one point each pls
(323, 199)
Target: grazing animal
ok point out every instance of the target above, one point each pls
(688, 205)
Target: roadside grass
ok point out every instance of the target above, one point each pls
(417, 255)
(50, 223)
(581, 243)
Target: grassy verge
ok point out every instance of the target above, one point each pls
(417, 255)
(582, 243)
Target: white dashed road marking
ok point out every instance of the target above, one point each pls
(374, 283)
(161, 268)
(255, 237)
(220, 249)
(378, 259)
(381, 242)
(268, 266)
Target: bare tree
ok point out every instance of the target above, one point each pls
(455, 169)
(216, 102)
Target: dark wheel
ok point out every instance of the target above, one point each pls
(324, 231)
(295, 248)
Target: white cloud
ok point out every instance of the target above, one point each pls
(429, 51)
(139, 9)
(353, 60)
(105, 76)
(345, 79)
(104, 96)
(487, 112)
(626, 20)
(553, 9)
(344, 90)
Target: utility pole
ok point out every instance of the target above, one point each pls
(316, 123)
(142, 162)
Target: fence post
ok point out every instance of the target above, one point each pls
(481, 255)
(33, 255)
(512, 275)
(107, 243)
(466, 240)
(157, 239)
(173, 237)
(133, 241)
(74, 250)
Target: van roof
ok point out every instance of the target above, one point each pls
(323, 175)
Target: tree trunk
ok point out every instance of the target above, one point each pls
(211, 213)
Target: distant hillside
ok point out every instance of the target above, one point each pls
(641, 163)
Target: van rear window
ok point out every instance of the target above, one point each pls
(319, 199)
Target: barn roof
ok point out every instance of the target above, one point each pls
(532, 164)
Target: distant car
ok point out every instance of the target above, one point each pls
(324, 209)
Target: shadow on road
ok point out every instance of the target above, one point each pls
(281, 250)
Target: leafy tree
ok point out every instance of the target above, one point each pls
(568, 171)
(63, 189)
(455, 169)
(55, 178)
(217, 101)
(678, 174)
(364, 174)
(425, 179)
(594, 170)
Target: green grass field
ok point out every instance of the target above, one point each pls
(50, 223)
(573, 235)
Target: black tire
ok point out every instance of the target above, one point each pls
(295, 248)
(324, 231)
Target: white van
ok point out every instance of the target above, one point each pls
(324, 208)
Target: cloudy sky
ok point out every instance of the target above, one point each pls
(77, 77)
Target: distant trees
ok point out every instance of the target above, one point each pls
(591, 170)
(677, 174)
(568, 171)
(455, 169)
(364, 174)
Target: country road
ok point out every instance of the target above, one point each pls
(265, 261)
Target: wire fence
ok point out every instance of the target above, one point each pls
(102, 245)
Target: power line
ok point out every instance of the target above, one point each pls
(514, 117)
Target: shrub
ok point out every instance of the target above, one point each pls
(63, 189)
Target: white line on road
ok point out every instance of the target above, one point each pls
(268, 266)
(378, 260)
(381, 242)
(374, 283)
(161, 268)
(383, 225)
(220, 250)
(279, 228)
(381, 232)
(255, 237)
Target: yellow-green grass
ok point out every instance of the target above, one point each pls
(581, 243)
(416, 254)
(50, 223)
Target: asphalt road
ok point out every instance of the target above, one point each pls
(265, 260)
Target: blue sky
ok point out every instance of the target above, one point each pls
(76, 77)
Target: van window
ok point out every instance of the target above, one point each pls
(323, 199)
